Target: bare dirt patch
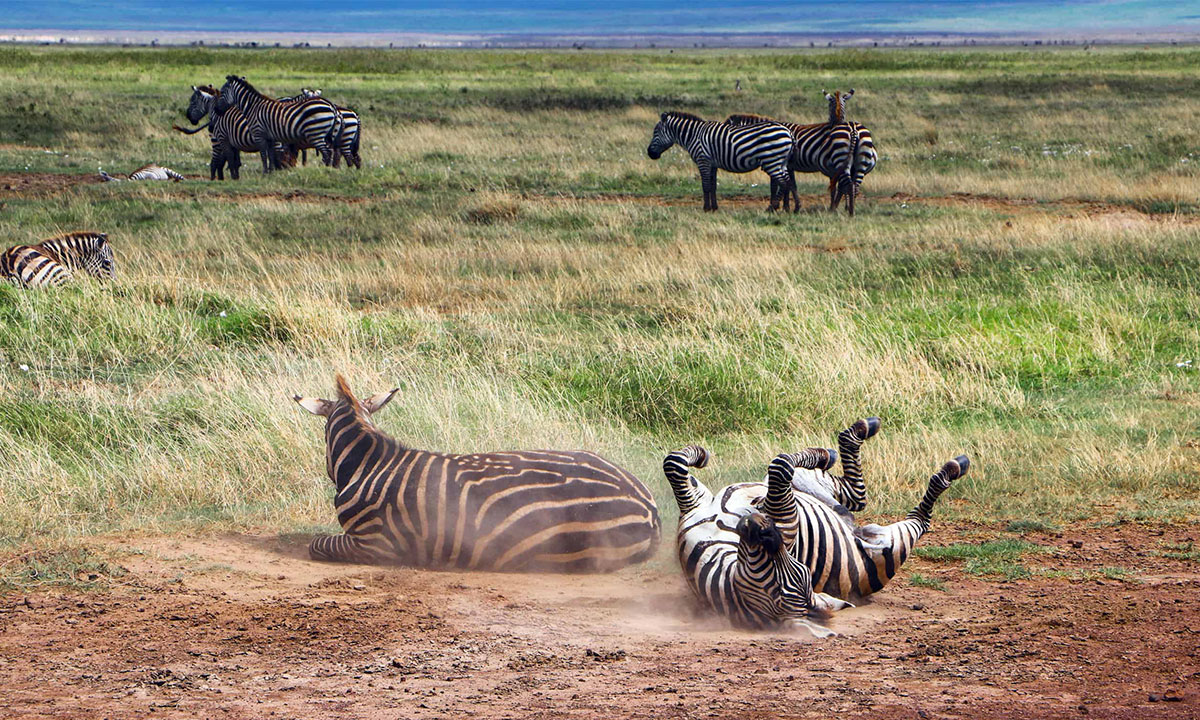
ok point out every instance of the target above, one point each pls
(247, 627)
(38, 185)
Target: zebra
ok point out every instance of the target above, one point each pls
(348, 142)
(520, 511)
(842, 151)
(314, 122)
(228, 132)
(146, 172)
(803, 501)
(715, 145)
(52, 262)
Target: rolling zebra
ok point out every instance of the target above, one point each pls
(228, 132)
(52, 262)
(554, 511)
(734, 148)
(316, 123)
(146, 172)
(842, 151)
(803, 502)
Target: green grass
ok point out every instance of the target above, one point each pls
(511, 257)
(919, 580)
(68, 566)
(1183, 551)
(996, 558)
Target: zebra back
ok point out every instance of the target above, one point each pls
(52, 262)
(563, 511)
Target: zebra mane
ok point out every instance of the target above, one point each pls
(208, 89)
(245, 84)
(682, 116)
(748, 119)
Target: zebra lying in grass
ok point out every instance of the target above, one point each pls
(527, 511)
(52, 262)
(842, 151)
(229, 135)
(771, 554)
(146, 172)
(719, 146)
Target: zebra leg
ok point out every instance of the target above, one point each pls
(835, 197)
(264, 150)
(708, 184)
(235, 163)
(900, 538)
(849, 488)
(850, 199)
(792, 190)
(341, 548)
(689, 492)
(780, 502)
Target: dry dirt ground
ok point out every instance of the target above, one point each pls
(248, 627)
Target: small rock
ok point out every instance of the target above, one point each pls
(1155, 697)
(1077, 544)
(917, 606)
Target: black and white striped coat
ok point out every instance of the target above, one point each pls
(551, 511)
(721, 146)
(802, 501)
(348, 143)
(52, 262)
(146, 172)
(314, 123)
(841, 150)
(229, 135)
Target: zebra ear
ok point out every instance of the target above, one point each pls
(195, 89)
(848, 95)
(376, 402)
(663, 117)
(316, 406)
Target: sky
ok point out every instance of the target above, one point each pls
(611, 17)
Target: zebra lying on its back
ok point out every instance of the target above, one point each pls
(806, 506)
(52, 262)
(541, 510)
(146, 172)
(720, 146)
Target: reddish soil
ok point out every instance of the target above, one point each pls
(247, 627)
(31, 185)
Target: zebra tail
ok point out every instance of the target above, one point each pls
(190, 132)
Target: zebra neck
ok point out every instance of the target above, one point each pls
(64, 254)
(352, 448)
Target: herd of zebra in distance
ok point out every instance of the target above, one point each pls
(764, 554)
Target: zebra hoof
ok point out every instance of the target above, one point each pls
(956, 468)
(697, 456)
(830, 459)
(866, 428)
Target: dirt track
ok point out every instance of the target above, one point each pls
(247, 627)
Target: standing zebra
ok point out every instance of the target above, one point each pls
(146, 172)
(805, 505)
(229, 135)
(542, 510)
(315, 123)
(348, 143)
(842, 151)
(51, 263)
(714, 145)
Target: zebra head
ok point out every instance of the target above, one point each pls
(309, 93)
(663, 139)
(99, 261)
(203, 99)
(346, 403)
(236, 91)
(837, 104)
(759, 531)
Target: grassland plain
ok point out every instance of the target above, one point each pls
(1020, 282)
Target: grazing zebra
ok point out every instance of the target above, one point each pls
(714, 145)
(52, 262)
(803, 503)
(315, 123)
(542, 510)
(228, 132)
(842, 151)
(146, 172)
